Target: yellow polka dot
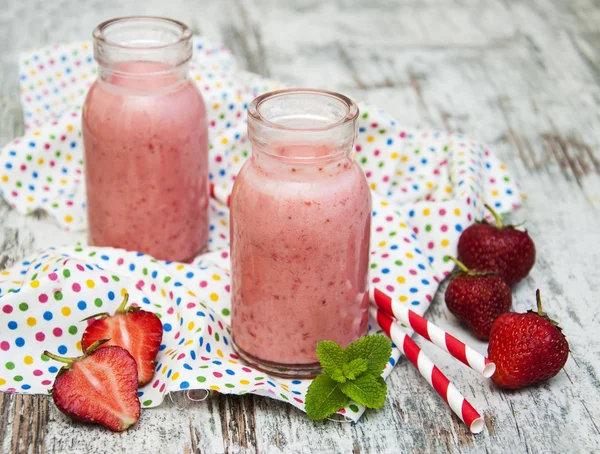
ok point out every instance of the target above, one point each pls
(163, 293)
(4, 178)
(6, 273)
(494, 192)
(32, 72)
(216, 277)
(84, 76)
(78, 345)
(502, 166)
(242, 382)
(168, 352)
(216, 106)
(224, 140)
(223, 222)
(383, 243)
(35, 284)
(31, 321)
(232, 361)
(445, 243)
(63, 181)
(401, 279)
(66, 311)
(175, 376)
(190, 326)
(198, 77)
(373, 186)
(189, 342)
(68, 218)
(409, 255)
(404, 158)
(384, 203)
(164, 370)
(403, 225)
(123, 291)
(448, 189)
(58, 74)
(214, 387)
(430, 185)
(457, 211)
(180, 267)
(90, 283)
(30, 199)
(41, 161)
(68, 157)
(214, 297)
(285, 387)
(399, 173)
(403, 298)
(69, 127)
(370, 139)
(394, 155)
(219, 353)
(38, 110)
(191, 293)
(28, 360)
(426, 212)
(236, 158)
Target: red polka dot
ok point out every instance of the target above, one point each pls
(80, 267)
(217, 374)
(170, 310)
(37, 372)
(228, 288)
(7, 309)
(162, 388)
(76, 287)
(46, 382)
(245, 369)
(224, 254)
(120, 261)
(155, 384)
(40, 337)
(153, 287)
(389, 288)
(444, 228)
(413, 272)
(57, 332)
(442, 212)
(430, 245)
(181, 356)
(402, 135)
(53, 276)
(104, 279)
(43, 298)
(203, 284)
(376, 280)
(4, 345)
(191, 305)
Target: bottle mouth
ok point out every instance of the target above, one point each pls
(142, 38)
(302, 110)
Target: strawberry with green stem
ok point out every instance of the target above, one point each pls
(98, 387)
(500, 248)
(137, 331)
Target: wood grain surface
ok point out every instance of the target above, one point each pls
(521, 75)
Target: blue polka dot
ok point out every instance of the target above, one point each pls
(424, 161)
(509, 191)
(19, 341)
(458, 227)
(73, 144)
(62, 349)
(48, 315)
(189, 275)
(385, 270)
(167, 327)
(35, 175)
(162, 347)
(217, 362)
(413, 290)
(201, 341)
(131, 267)
(187, 366)
(140, 393)
(392, 361)
(421, 266)
(390, 141)
(296, 382)
(8, 165)
(105, 257)
(411, 213)
(32, 144)
(81, 305)
(425, 281)
(26, 387)
(208, 348)
(111, 295)
(145, 300)
(52, 369)
(271, 383)
(222, 172)
(12, 325)
(12, 153)
(394, 247)
(169, 373)
(184, 385)
(415, 303)
(230, 372)
(193, 354)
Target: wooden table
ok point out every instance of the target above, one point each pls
(522, 76)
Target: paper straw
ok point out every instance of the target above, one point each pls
(451, 395)
(435, 335)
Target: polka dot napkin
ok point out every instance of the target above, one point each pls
(427, 187)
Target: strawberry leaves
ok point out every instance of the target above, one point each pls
(353, 373)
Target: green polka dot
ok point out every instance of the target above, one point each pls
(167, 279)
(382, 131)
(381, 164)
(284, 396)
(78, 249)
(365, 115)
(393, 233)
(217, 337)
(34, 277)
(57, 154)
(23, 307)
(428, 228)
(115, 278)
(259, 378)
(52, 136)
(225, 312)
(58, 296)
(363, 160)
(446, 258)
(29, 157)
(145, 271)
(72, 329)
(373, 266)
(201, 379)
(19, 184)
(417, 151)
(229, 385)
(93, 253)
(17, 378)
(147, 402)
(354, 408)
(203, 367)
(10, 366)
(44, 357)
(66, 273)
(49, 180)
(398, 262)
(98, 302)
(506, 179)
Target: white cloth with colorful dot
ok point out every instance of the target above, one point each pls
(427, 187)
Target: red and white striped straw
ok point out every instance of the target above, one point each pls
(451, 395)
(435, 335)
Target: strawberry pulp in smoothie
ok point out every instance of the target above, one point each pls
(300, 229)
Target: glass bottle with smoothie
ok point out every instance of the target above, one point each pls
(146, 141)
(300, 229)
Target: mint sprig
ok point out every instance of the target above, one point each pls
(351, 373)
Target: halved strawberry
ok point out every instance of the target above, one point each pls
(98, 387)
(137, 331)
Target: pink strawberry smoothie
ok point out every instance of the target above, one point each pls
(300, 249)
(146, 162)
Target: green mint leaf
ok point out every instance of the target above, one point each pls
(375, 349)
(332, 359)
(324, 398)
(368, 390)
(354, 368)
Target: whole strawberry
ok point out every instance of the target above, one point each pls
(98, 387)
(477, 298)
(137, 331)
(499, 248)
(526, 348)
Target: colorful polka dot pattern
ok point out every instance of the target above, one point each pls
(427, 187)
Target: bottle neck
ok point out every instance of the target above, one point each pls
(145, 76)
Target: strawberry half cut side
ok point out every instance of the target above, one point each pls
(137, 331)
